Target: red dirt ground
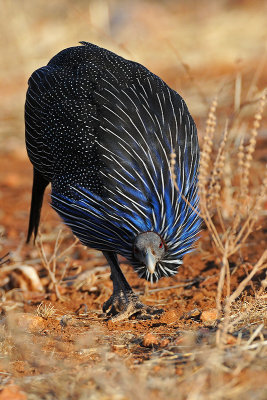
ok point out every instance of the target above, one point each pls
(192, 290)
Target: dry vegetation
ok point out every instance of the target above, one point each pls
(230, 211)
(211, 343)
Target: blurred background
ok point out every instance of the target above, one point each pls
(200, 48)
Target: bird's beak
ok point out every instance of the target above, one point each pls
(150, 261)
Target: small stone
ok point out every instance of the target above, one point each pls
(179, 371)
(169, 317)
(209, 317)
(150, 340)
(26, 278)
(12, 392)
(29, 322)
(230, 339)
(195, 313)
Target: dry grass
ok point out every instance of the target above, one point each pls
(45, 310)
(200, 47)
(50, 263)
(191, 370)
(235, 211)
(248, 312)
(228, 363)
(230, 207)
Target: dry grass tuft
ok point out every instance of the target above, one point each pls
(191, 369)
(50, 263)
(45, 310)
(248, 312)
(222, 199)
(229, 205)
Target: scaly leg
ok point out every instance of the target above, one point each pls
(124, 302)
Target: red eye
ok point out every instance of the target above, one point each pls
(161, 244)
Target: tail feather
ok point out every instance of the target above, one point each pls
(38, 189)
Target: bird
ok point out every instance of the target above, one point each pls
(103, 131)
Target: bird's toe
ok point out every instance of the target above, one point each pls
(115, 304)
(122, 306)
(107, 305)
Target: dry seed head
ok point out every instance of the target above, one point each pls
(258, 116)
(241, 153)
(209, 143)
(216, 173)
(204, 164)
(253, 141)
(251, 145)
(211, 121)
(207, 148)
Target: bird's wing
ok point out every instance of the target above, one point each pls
(141, 125)
(61, 119)
(103, 129)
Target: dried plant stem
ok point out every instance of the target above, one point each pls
(224, 273)
(206, 152)
(251, 146)
(46, 265)
(226, 323)
(219, 212)
(51, 264)
(220, 289)
(217, 170)
(217, 193)
(212, 228)
(246, 280)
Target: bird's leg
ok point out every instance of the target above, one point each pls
(124, 302)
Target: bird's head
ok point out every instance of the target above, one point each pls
(149, 248)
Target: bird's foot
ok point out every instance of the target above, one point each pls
(122, 305)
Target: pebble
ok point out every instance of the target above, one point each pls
(26, 278)
(150, 340)
(209, 317)
(169, 317)
(12, 392)
(29, 322)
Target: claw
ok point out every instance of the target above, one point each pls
(107, 305)
(123, 305)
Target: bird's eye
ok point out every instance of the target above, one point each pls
(160, 245)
